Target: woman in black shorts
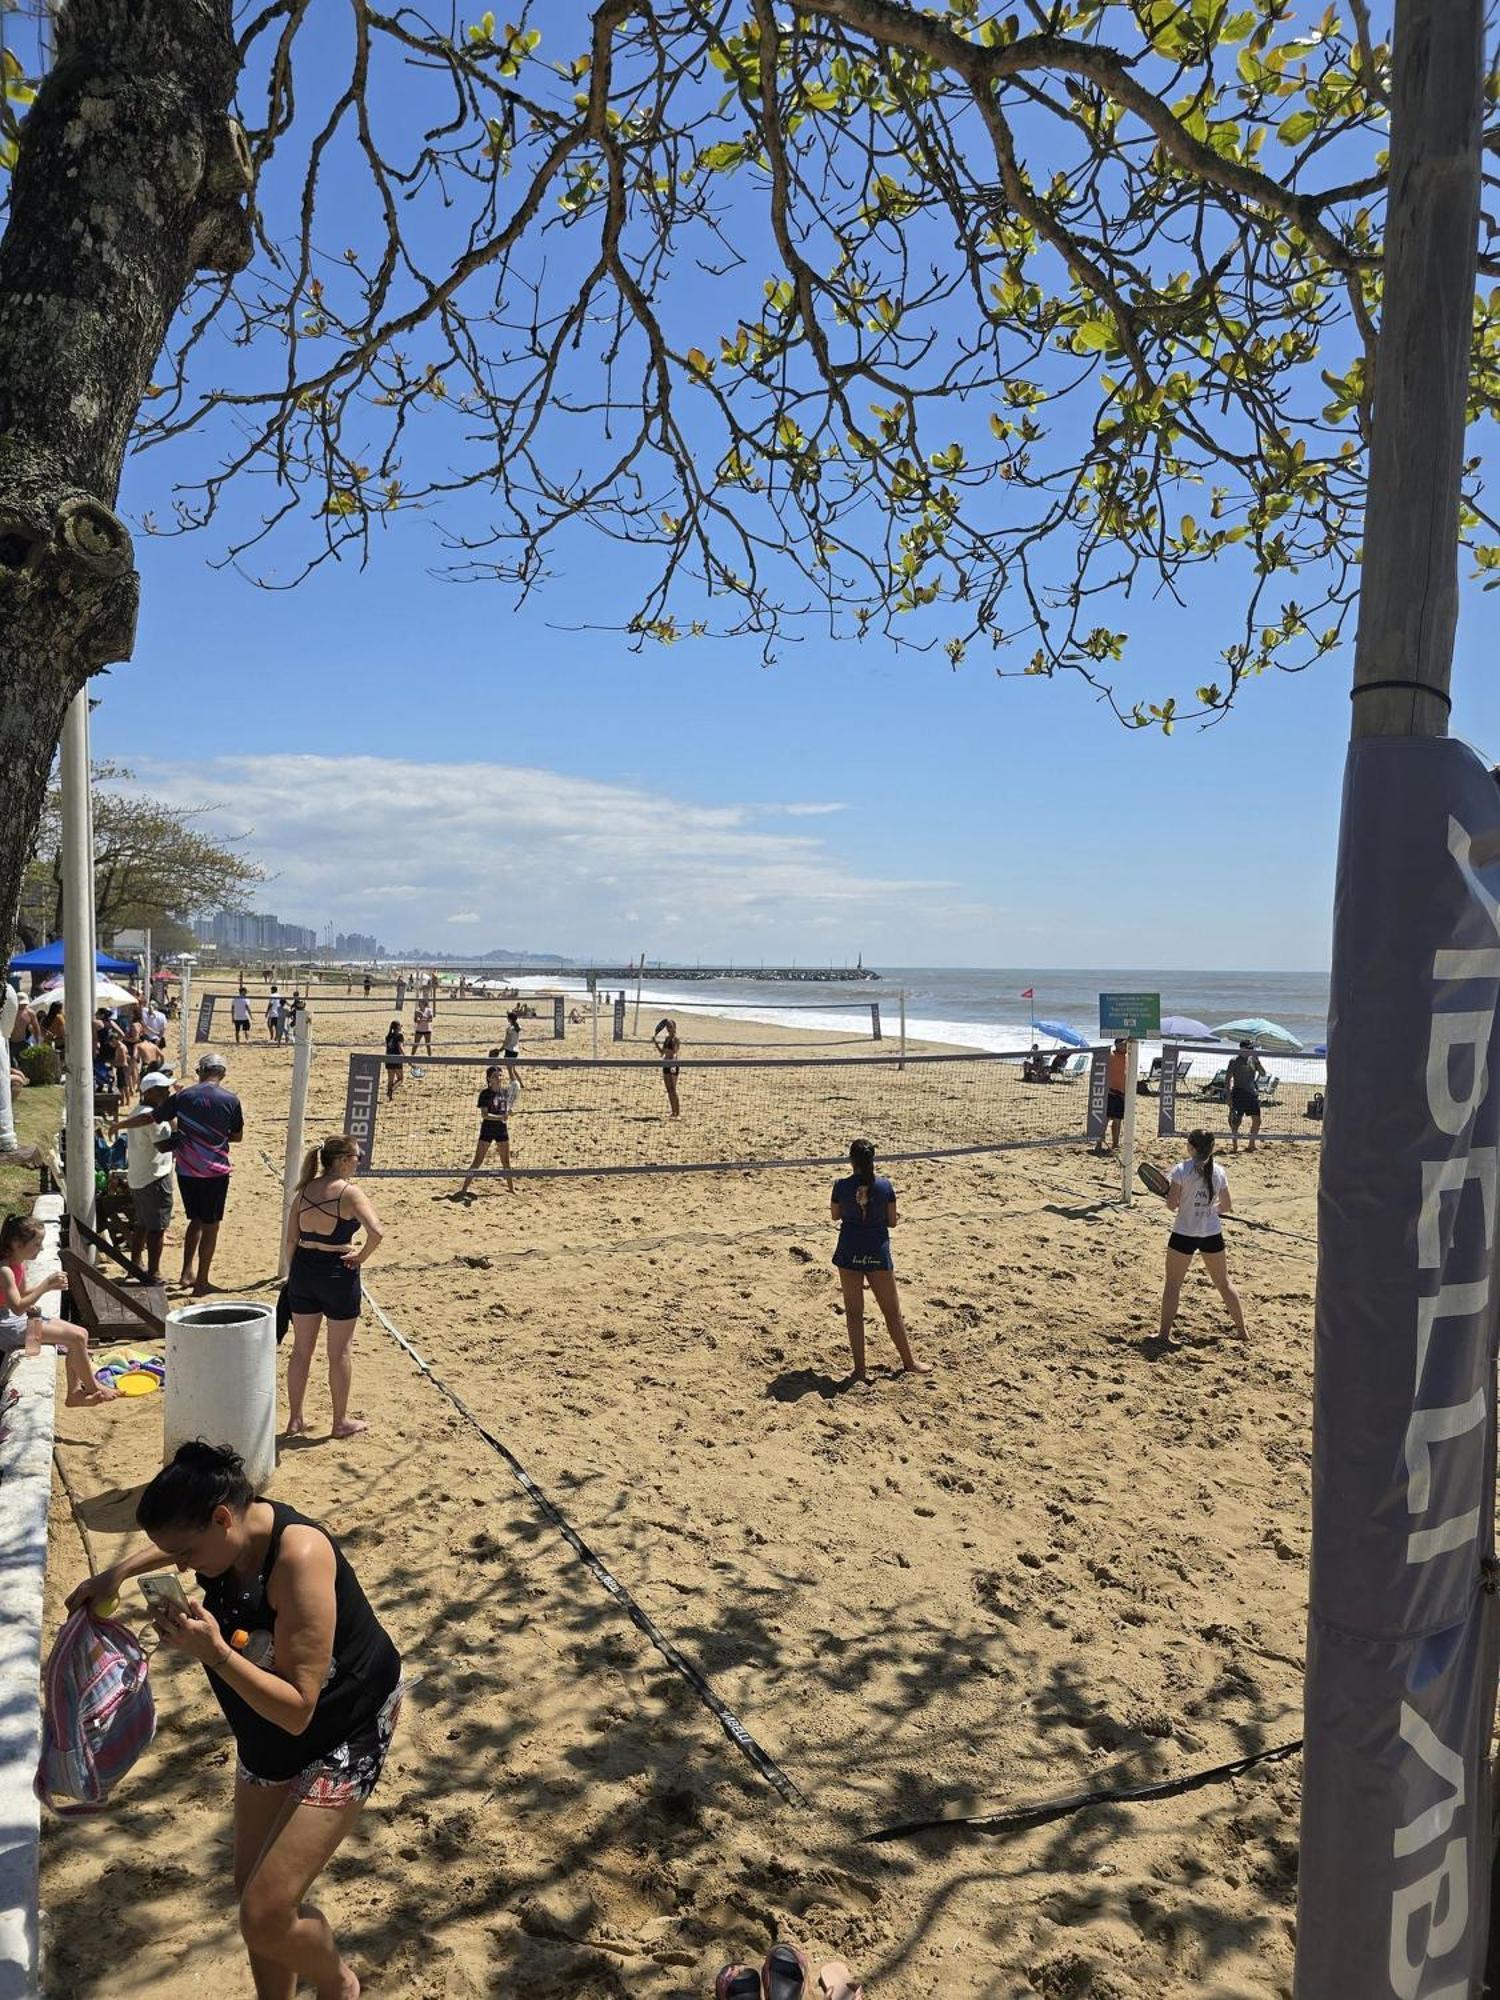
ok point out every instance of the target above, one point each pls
(495, 1102)
(1198, 1197)
(863, 1204)
(307, 1677)
(395, 1052)
(664, 1041)
(323, 1283)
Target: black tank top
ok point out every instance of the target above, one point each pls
(342, 1233)
(362, 1673)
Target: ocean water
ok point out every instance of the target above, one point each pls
(980, 1008)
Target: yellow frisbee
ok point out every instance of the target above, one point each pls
(137, 1383)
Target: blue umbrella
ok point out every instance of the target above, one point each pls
(1061, 1031)
(1256, 1028)
(1183, 1028)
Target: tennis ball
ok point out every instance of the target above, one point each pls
(106, 1606)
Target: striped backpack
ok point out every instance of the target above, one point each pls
(97, 1713)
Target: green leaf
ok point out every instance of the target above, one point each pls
(729, 153)
(1093, 337)
(483, 29)
(1301, 125)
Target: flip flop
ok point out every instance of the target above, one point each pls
(784, 1973)
(837, 1982)
(737, 1982)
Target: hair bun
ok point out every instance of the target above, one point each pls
(206, 1457)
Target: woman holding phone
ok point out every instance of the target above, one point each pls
(307, 1678)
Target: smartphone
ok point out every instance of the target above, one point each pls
(162, 1592)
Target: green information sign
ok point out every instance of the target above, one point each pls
(1133, 1014)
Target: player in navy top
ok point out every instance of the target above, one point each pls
(496, 1102)
(864, 1207)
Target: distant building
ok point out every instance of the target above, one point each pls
(253, 930)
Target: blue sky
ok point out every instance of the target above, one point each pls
(421, 759)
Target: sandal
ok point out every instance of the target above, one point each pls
(737, 1982)
(784, 1974)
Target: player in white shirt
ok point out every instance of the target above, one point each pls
(1198, 1199)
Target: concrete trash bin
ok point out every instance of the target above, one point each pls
(221, 1381)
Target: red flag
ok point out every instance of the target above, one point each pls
(1028, 993)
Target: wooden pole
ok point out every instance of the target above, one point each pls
(1408, 600)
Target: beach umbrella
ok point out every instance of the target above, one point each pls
(1266, 1034)
(1183, 1028)
(107, 992)
(1062, 1031)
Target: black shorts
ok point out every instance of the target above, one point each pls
(1116, 1106)
(321, 1282)
(494, 1131)
(203, 1198)
(1243, 1104)
(1211, 1246)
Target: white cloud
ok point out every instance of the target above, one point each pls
(543, 860)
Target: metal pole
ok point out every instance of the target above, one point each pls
(1127, 1130)
(296, 1123)
(146, 980)
(10, 1001)
(78, 962)
(640, 973)
(594, 1025)
(183, 1030)
(902, 1064)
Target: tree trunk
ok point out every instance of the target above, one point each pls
(132, 176)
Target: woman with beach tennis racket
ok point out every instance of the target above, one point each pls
(1197, 1194)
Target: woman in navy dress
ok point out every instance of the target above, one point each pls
(864, 1207)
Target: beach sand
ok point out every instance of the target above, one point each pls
(1063, 1559)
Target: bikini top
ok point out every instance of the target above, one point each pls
(337, 1238)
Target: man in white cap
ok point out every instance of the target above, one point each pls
(209, 1121)
(148, 1171)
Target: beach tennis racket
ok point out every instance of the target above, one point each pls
(1152, 1177)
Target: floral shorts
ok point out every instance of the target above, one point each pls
(349, 1772)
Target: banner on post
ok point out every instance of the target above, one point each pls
(204, 1031)
(557, 1018)
(361, 1102)
(1098, 1094)
(1166, 1107)
(1401, 1654)
(875, 1033)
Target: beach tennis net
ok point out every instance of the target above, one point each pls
(614, 1116)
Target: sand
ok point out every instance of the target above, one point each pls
(1062, 1559)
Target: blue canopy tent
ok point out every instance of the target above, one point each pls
(49, 958)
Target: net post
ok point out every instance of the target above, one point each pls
(903, 1027)
(1127, 1134)
(594, 1025)
(640, 974)
(557, 1017)
(296, 1124)
(183, 1030)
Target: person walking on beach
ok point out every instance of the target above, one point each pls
(513, 1046)
(1243, 1078)
(395, 1056)
(24, 1326)
(148, 1174)
(669, 1048)
(1197, 1198)
(863, 1204)
(307, 1678)
(323, 1282)
(209, 1120)
(273, 1016)
(239, 1013)
(496, 1102)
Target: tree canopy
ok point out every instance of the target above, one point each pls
(979, 329)
(154, 866)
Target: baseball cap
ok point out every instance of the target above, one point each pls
(157, 1080)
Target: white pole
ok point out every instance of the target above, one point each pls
(902, 1064)
(183, 1030)
(1127, 1133)
(640, 973)
(594, 1022)
(10, 1001)
(78, 961)
(146, 978)
(296, 1122)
